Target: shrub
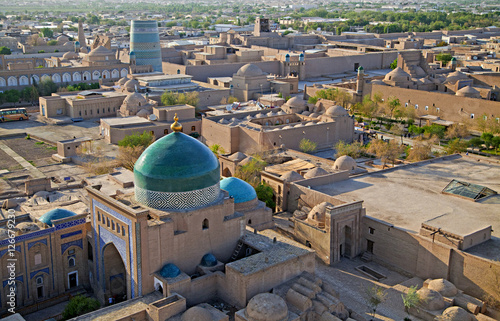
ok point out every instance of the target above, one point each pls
(307, 146)
(144, 140)
(79, 305)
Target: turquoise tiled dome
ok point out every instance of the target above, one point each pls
(208, 260)
(55, 214)
(177, 172)
(240, 190)
(170, 270)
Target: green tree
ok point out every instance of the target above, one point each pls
(79, 305)
(353, 150)
(444, 58)
(456, 146)
(12, 96)
(5, 51)
(487, 137)
(476, 142)
(52, 42)
(374, 296)
(410, 300)
(46, 87)
(145, 139)
(307, 146)
(265, 194)
(250, 172)
(435, 130)
(495, 142)
(394, 64)
(393, 103)
(47, 32)
(169, 98)
(29, 94)
(217, 149)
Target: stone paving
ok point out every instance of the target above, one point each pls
(352, 286)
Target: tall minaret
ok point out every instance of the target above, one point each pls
(81, 37)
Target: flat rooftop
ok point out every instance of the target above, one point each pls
(270, 253)
(409, 195)
(162, 77)
(125, 121)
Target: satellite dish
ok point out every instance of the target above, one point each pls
(229, 107)
(153, 117)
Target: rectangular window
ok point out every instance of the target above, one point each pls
(38, 259)
(98, 216)
(107, 221)
(426, 107)
(371, 230)
(71, 252)
(193, 128)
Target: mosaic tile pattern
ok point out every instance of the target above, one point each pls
(63, 236)
(30, 244)
(32, 274)
(18, 278)
(65, 246)
(177, 200)
(97, 205)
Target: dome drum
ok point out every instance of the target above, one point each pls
(177, 172)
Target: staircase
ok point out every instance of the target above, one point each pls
(237, 251)
(415, 64)
(367, 257)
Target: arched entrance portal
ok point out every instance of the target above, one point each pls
(115, 274)
(226, 172)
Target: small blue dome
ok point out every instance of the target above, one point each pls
(208, 260)
(132, 54)
(240, 190)
(170, 270)
(287, 56)
(77, 43)
(301, 54)
(55, 214)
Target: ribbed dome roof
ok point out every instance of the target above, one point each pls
(197, 314)
(336, 111)
(249, 70)
(240, 190)
(208, 260)
(397, 74)
(170, 270)
(55, 214)
(176, 163)
(267, 307)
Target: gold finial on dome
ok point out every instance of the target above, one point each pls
(176, 127)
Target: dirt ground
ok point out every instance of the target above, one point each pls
(37, 153)
(6, 162)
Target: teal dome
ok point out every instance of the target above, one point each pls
(170, 270)
(177, 172)
(208, 260)
(55, 214)
(240, 190)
